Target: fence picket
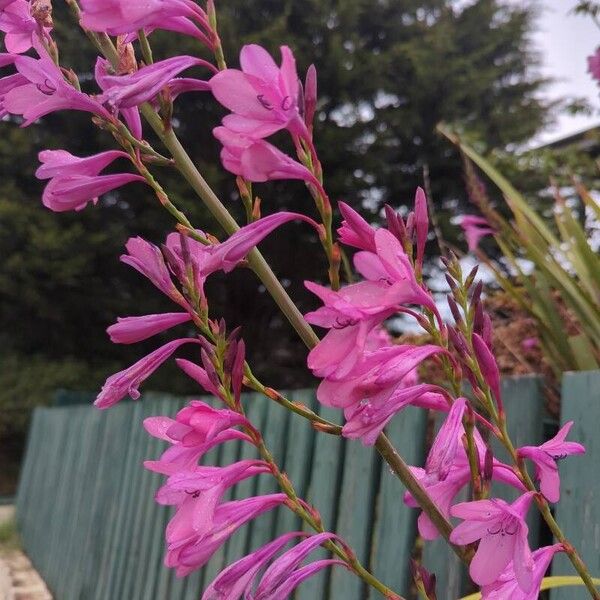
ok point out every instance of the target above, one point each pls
(89, 523)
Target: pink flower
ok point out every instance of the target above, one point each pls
(17, 22)
(126, 382)
(133, 89)
(502, 532)
(391, 266)
(44, 90)
(594, 65)
(197, 492)
(378, 374)
(445, 446)
(475, 228)
(195, 551)
(351, 314)
(368, 419)
(545, 459)
(279, 580)
(227, 255)
(237, 579)
(257, 160)
(310, 96)
(262, 96)
(443, 491)
(283, 576)
(103, 72)
(196, 429)
(130, 330)
(148, 260)
(355, 231)
(507, 586)
(76, 181)
(117, 17)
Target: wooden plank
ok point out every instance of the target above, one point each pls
(275, 430)
(256, 411)
(395, 525)
(297, 460)
(229, 453)
(81, 479)
(323, 493)
(26, 491)
(578, 512)
(356, 515)
(125, 504)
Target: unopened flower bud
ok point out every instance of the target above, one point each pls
(471, 276)
(310, 95)
(454, 309)
(424, 580)
(41, 11)
(395, 224)
(476, 296)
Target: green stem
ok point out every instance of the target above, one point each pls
(255, 259)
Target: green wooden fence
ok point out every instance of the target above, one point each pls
(89, 523)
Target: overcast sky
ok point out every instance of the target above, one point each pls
(564, 41)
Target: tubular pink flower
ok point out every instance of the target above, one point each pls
(507, 586)
(257, 160)
(310, 95)
(236, 580)
(45, 91)
(19, 26)
(445, 446)
(75, 192)
(197, 493)
(194, 552)
(126, 382)
(131, 90)
(75, 181)
(196, 429)
(355, 231)
(443, 492)
(475, 228)
(57, 163)
(199, 375)
(545, 459)
(117, 17)
(129, 330)
(284, 567)
(368, 419)
(502, 532)
(299, 576)
(148, 260)
(262, 96)
(102, 71)
(378, 374)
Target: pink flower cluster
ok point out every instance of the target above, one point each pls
(372, 379)
(264, 99)
(362, 371)
(203, 522)
(39, 86)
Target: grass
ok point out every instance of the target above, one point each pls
(9, 537)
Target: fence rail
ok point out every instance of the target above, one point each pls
(89, 523)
